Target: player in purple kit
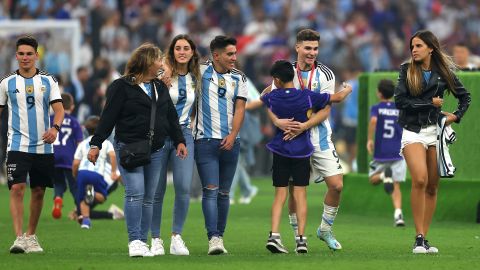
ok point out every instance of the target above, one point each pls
(291, 158)
(69, 136)
(387, 165)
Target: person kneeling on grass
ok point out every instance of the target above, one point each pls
(91, 186)
(291, 158)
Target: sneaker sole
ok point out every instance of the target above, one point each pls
(215, 252)
(419, 251)
(275, 249)
(17, 250)
(302, 250)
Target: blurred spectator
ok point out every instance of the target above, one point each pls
(461, 56)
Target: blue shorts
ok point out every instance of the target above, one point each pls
(85, 178)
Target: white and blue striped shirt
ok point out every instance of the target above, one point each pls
(82, 152)
(323, 81)
(183, 94)
(28, 100)
(216, 104)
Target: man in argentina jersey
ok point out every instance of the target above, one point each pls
(324, 162)
(219, 116)
(387, 165)
(29, 93)
(89, 174)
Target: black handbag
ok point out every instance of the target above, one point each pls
(138, 154)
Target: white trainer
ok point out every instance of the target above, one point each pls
(215, 246)
(157, 247)
(19, 245)
(137, 248)
(177, 246)
(116, 212)
(222, 246)
(32, 245)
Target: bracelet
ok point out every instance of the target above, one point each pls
(93, 147)
(57, 127)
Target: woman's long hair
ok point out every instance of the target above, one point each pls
(193, 64)
(439, 60)
(141, 59)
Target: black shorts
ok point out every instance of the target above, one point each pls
(286, 167)
(40, 168)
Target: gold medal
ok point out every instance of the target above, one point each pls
(309, 113)
(29, 89)
(221, 83)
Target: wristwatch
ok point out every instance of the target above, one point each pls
(57, 127)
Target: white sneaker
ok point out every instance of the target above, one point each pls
(222, 246)
(215, 246)
(249, 198)
(157, 247)
(19, 245)
(137, 248)
(177, 246)
(116, 212)
(31, 243)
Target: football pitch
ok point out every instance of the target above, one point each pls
(369, 240)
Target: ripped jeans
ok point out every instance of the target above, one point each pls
(216, 168)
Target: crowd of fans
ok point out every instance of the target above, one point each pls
(356, 35)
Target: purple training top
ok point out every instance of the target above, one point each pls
(388, 133)
(69, 136)
(288, 103)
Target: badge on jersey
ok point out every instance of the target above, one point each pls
(233, 84)
(314, 85)
(29, 89)
(43, 88)
(221, 83)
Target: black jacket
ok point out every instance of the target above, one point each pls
(128, 108)
(418, 111)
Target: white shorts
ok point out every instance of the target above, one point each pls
(399, 169)
(324, 164)
(427, 137)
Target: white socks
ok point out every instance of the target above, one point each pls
(329, 214)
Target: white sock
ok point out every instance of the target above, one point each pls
(293, 222)
(397, 212)
(329, 214)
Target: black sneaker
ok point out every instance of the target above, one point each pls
(89, 194)
(388, 181)
(301, 245)
(274, 244)
(419, 245)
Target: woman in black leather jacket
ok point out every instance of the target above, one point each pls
(422, 84)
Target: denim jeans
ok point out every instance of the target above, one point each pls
(140, 185)
(182, 180)
(216, 168)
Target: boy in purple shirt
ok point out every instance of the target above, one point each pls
(291, 158)
(69, 136)
(387, 165)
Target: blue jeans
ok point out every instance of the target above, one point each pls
(140, 185)
(216, 168)
(182, 180)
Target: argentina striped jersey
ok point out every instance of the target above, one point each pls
(216, 103)
(322, 81)
(82, 152)
(28, 101)
(182, 93)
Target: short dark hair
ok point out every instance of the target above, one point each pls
(67, 101)
(221, 42)
(282, 70)
(91, 124)
(27, 40)
(386, 88)
(308, 35)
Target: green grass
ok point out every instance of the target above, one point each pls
(369, 241)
